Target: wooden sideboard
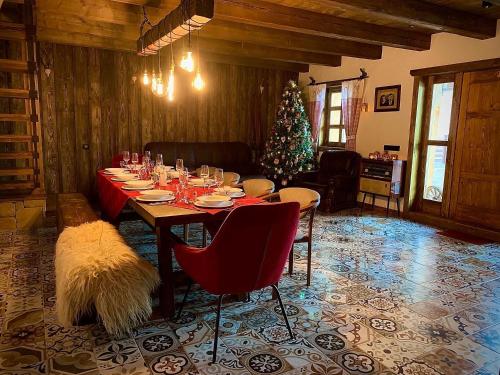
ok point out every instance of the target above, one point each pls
(382, 178)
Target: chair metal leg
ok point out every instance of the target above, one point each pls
(204, 237)
(190, 283)
(216, 339)
(283, 310)
(290, 261)
(309, 256)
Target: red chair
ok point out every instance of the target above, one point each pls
(248, 253)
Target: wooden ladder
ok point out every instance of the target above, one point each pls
(21, 161)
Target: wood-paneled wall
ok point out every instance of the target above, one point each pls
(92, 109)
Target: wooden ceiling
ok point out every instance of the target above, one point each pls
(288, 33)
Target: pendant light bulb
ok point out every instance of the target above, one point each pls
(159, 86)
(198, 82)
(170, 85)
(153, 82)
(187, 62)
(145, 78)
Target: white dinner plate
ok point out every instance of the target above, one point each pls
(139, 183)
(152, 198)
(237, 194)
(228, 189)
(116, 170)
(204, 204)
(158, 193)
(124, 178)
(124, 187)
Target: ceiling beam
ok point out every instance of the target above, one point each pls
(270, 53)
(55, 29)
(275, 16)
(217, 29)
(422, 14)
(262, 13)
(93, 41)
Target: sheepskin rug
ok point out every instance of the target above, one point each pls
(95, 268)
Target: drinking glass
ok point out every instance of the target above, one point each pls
(146, 158)
(179, 165)
(219, 177)
(126, 156)
(159, 159)
(135, 159)
(204, 174)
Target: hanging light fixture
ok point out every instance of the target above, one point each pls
(171, 77)
(145, 76)
(153, 82)
(187, 62)
(198, 82)
(159, 81)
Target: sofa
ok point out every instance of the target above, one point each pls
(336, 180)
(231, 156)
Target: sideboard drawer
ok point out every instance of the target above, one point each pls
(375, 186)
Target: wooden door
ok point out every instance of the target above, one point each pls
(475, 196)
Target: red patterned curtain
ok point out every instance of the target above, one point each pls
(315, 105)
(353, 93)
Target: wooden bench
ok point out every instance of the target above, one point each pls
(72, 210)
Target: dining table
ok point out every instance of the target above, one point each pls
(162, 216)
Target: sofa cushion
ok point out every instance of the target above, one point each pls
(231, 156)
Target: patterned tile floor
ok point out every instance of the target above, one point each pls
(388, 297)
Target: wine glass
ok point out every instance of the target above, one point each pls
(219, 177)
(147, 157)
(135, 159)
(179, 165)
(204, 174)
(159, 159)
(126, 157)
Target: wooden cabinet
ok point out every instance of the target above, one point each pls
(382, 178)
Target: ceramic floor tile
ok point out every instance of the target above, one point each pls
(388, 296)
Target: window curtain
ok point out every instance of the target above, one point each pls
(315, 105)
(353, 93)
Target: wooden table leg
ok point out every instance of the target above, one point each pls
(167, 303)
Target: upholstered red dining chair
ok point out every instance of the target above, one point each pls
(248, 253)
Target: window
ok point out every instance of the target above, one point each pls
(437, 140)
(334, 130)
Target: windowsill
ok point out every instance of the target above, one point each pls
(326, 148)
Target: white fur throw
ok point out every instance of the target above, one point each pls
(96, 268)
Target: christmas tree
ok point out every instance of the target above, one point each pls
(288, 150)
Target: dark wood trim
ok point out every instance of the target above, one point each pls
(444, 223)
(457, 68)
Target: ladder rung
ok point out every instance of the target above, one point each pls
(12, 31)
(17, 93)
(16, 171)
(16, 155)
(16, 66)
(10, 138)
(11, 185)
(14, 117)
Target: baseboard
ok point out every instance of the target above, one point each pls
(453, 225)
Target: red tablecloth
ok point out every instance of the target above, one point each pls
(113, 198)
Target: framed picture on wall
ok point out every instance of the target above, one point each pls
(387, 98)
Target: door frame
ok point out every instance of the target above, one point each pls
(415, 163)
